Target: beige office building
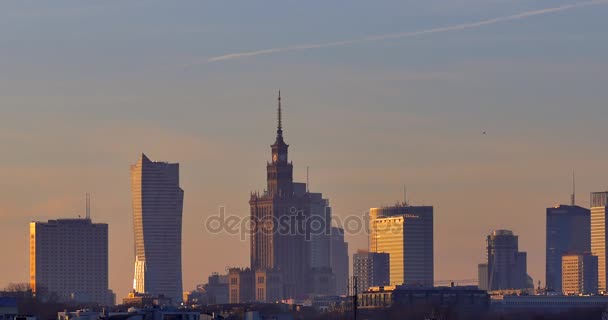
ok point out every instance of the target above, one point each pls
(579, 274)
(599, 203)
(406, 234)
(69, 261)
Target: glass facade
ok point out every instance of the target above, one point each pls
(406, 234)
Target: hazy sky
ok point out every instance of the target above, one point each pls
(86, 86)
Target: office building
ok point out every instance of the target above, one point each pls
(371, 269)
(69, 260)
(339, 260)
(506, 265)
(157, 201)
(568, 230)
(406, 233)
(599, 205)
(579, 274)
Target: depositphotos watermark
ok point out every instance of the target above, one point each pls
(288, 221)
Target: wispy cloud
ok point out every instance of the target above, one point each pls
(401, 35)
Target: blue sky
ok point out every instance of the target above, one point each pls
(86, 86)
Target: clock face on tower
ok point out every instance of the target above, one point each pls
(282, 157)
(274, 157)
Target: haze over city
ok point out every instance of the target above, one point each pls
(483, 109)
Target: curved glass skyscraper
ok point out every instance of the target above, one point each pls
(157, 220)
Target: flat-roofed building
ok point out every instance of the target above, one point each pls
(406, 233)
(371, 269)
(599, 206)
(69, 259)
(579, 274)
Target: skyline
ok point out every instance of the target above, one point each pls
(395, 113)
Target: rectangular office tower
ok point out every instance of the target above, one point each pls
(406, 233)
(568, 230)
(599, 205)
(371, 269)
(69, 260)
(579, 274)
(157, 201)
(506, 267)
(338, 259)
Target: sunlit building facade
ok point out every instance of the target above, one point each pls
(579, 274)
(599, 205)
(69, 261)
(157, 201)
(406, 233)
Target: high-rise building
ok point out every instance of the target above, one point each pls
(579, 274)
(69, 260)
(568, 230)
(406, 233)
(157, 201)
(339, 260)
(320, 227)
(282, 238)
(371, 269)
(599, 207)
(506, 265)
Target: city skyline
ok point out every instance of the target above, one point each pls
(366, 118)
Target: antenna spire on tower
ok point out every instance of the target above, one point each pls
(279, 115)
(88, 206)
(573, 196)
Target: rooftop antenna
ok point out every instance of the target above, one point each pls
(307, 182)
(573, 196)
(404, 195)
(88, 206)
(279, 115)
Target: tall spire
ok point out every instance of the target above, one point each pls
(279, 117)
(573, 196)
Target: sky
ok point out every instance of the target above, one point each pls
(376, 95)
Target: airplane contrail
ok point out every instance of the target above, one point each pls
(400, 35)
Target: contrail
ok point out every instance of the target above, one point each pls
(400, 35)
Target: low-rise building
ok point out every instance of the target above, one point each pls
(546, 303)
(371, 269)
(469, 300)
(579, 274)
(241, 285)
(8, 308)
(268, 285)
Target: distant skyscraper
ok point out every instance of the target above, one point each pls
(371, 269)
(281, 238)
(506, 267)
(599, 207)
(339, 259)
(406, 233)
(69, 258)
(579, 274)
(568, 230)
(157, 220)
